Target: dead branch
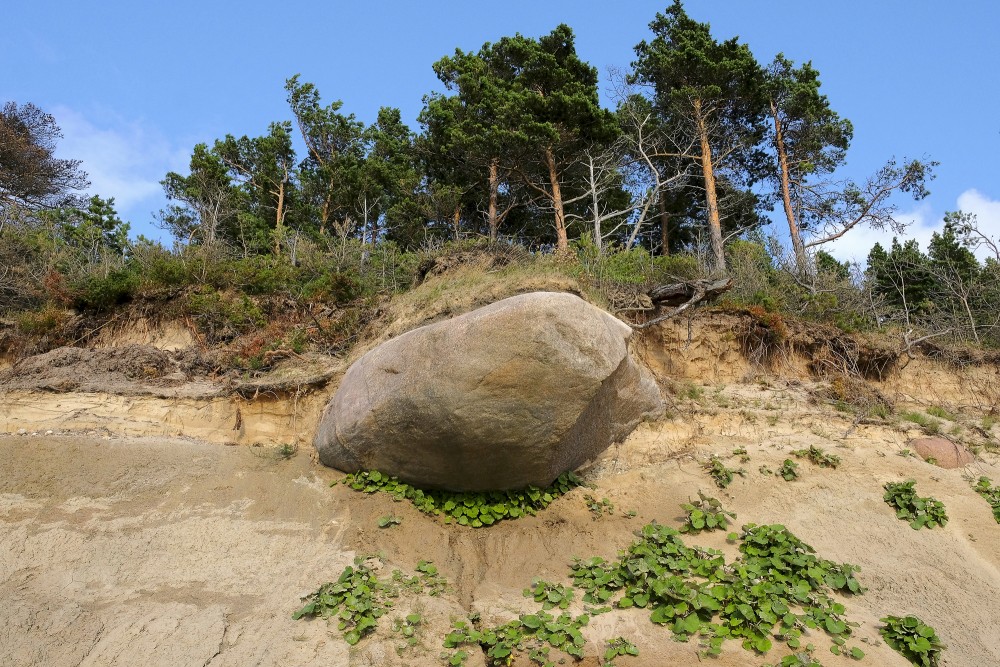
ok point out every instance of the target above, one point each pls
(683, 296)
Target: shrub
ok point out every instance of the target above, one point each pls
(334, 287)
(41, 322)
(224, 316)
(99, 293)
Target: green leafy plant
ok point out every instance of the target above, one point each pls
(408, 627)
(920, 512)
(427, 579)
(800, 659)
(689, 390)
(913, 639)
(598, 507)
(777, 589)
(817, 456)
(530, 632)
(789, 470)
(387, 520)
(742, 453)
(722, 475)
(359, 598)
(468, 509)
(706, 513)
(990, 493)
(354, 599)
(549, 594)
(616, 647)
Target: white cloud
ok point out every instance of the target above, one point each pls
(854, 246)
(987, 212)
(921, 223)
(123, 159)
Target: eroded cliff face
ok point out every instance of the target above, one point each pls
(143, 384)
(121, 543)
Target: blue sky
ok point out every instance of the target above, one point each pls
(134, 85)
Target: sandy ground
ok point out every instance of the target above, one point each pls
(170, 552)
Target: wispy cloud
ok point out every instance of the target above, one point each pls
(123, 159)
(987, 212)
(921, 223)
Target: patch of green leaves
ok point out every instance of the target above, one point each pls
(476, 510)
(913, 639)
(359, 598)
(776, 590)
(706, 513)
(689, 390)
(800, 659)
(789, 470)
(722, 475)
(990, 493)
(535, 633)
(941, 413)
(355, 599)
(408, 628)
(388, 520)
(598, 507)
(549, 594)
(817, 456)
(920, 512)
(616, 647)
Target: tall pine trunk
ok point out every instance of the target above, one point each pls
(786, 192)
(562, 240)
(664, 225)
(279, 225)
(711, 197)
(492, 215)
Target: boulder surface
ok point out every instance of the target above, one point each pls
(944, 452)
(509, 395)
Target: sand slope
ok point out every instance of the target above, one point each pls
(171, 552)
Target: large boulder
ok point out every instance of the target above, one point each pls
(511, 394)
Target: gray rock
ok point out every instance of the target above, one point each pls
(511, 394)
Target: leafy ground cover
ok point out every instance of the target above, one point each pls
(467, 509)
(359, 598)
(913, 639)
(774, 591)
(989, 493)
(920, 512)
